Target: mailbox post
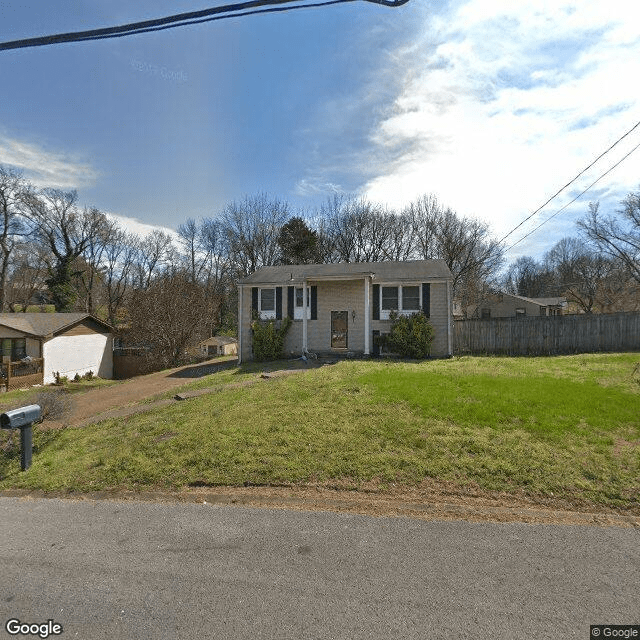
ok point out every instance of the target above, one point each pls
(23, 419)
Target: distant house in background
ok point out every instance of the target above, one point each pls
(457, 309)
(68, 343)
(219, 346)
(507, 305)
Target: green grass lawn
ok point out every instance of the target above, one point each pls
(565, 427)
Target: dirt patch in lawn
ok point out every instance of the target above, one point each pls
(121, 398)
(132, 396)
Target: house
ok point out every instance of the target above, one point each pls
(340, 308)
(507, 305)
(218, 346)
(68, 343)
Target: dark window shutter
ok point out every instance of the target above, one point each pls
(254, 299)
(376, 302)
(375, 350)
(426, 299)
(290, 301)
(314, 303)
(278, 303)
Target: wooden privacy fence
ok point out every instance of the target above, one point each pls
(547, 335)
(25, 373)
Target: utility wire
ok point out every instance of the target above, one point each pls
(557, 193)
(212, 18)
(608, 171)
(178, 20)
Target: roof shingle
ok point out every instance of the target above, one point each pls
(410, 270)
(44, 324)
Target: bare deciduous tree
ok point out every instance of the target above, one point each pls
(619, 236)
(168, 317)
(586, 276)
(118, 262)
(67, 231)
(12, 186)
(154, 251)
(251, 228)
(27, 275)
(424, 215)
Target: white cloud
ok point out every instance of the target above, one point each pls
(314, 186)
(133, 225)
(54, 169)
(46, 168)
(501, 103)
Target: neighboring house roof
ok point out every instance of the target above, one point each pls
(219, 341)
(543, 302)
(410, 270)
(551, 302)
(46, 324)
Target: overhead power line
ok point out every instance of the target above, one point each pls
(608, 171)
(557, 193)
(179, 20)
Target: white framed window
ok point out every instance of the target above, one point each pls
(298, 312)
(389, 298)
(267, 304)
(411, 298)
(405, 299)
(521, 311)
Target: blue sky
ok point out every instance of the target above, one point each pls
(492, 105)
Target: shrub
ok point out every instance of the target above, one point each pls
(268, 338)
(88, 375)
(410, 336)
(54, 403)
(77, 378)
(60, 380)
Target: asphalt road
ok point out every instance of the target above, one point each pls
(143, 570)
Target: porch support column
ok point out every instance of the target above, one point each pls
(304, 316)
(367, 316)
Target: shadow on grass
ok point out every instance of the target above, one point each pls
(201, 370)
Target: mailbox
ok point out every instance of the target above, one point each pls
(19, 418)
(23, 419)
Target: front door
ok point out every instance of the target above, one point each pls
(339, 329)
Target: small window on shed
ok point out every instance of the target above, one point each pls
(485, 314)
(521, 311)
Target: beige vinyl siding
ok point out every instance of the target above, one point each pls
(438, 317)
(343, 295)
